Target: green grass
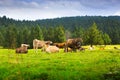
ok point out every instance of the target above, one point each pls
(83, 65)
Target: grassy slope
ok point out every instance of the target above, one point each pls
(84, 65)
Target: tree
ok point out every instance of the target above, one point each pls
(26, 35)
(77, 32)
(59, 34)
(37, 33)
(106, 38)
(49, 34)
(10, 36)
(93, 35)
(1, 39)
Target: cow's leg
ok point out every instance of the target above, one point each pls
(65, 49)
(35, 49)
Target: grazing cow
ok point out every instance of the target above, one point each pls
(50, 49)
(59, 45)
(39, 44)
(22, 49)
(73, 44)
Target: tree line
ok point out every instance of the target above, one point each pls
(93, 30)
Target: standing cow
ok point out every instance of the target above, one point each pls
(73, 44)
(40, 44)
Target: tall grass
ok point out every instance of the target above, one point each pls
(82, 65)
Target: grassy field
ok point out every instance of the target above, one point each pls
(82, 65)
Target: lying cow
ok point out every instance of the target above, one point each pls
(50, 49)
(40, 44)
(60, 45)
(22, 49)
(73, 44)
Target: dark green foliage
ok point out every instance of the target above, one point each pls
(93, 35)
(10, 37)
(77, 32)
(15, 32)
(59, 34)
(106, 38)
(1, 39)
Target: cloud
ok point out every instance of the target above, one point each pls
(117, 13)
(100, 4)
(39, 9)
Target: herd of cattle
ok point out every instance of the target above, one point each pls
(50, 47)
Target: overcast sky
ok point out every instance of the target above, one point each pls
(42, 9)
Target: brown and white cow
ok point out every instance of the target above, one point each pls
(40, 44)
(22, 49)
(73, 44)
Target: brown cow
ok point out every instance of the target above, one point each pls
(73, 44)
(22, 49)
(59, 45)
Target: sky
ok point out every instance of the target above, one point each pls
(46, 9)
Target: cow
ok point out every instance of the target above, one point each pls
(68, 50)
(73, 44)
(40, 44)
(50, 48)
(25, 45)
(59, 45)
(22, 49)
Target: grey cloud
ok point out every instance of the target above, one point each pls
(100, 4)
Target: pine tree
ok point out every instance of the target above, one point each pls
(1, 39)
(60, 34)
(26, 35)
(10, 36)
(37, 33)
(93, 35)
(77, 32)
(49, 34)
(106, 38)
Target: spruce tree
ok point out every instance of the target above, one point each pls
(93, 35)
(60, 34)
(11, 37)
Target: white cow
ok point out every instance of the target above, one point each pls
(40, 44)
(50, 48)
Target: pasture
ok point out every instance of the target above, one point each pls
(81, 65)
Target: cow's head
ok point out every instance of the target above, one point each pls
(78, 42)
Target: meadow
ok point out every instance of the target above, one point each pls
(81, 65)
